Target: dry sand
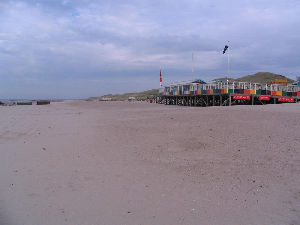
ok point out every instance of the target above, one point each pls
(117, 163)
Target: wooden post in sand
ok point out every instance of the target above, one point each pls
(220, 100)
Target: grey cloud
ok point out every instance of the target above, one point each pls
(60, 41)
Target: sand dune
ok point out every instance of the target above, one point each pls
(137, 163)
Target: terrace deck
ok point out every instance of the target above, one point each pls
(226, 94)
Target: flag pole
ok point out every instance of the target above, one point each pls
(228, 65)
(193, 63)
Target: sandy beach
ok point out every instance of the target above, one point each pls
(121, 163)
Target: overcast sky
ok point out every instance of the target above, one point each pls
(82, 48)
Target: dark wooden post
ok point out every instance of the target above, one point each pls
(220, 100)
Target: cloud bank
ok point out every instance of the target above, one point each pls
(77, 49)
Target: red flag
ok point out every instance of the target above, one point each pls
(160, 77)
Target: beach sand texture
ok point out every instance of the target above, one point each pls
(113, 163)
